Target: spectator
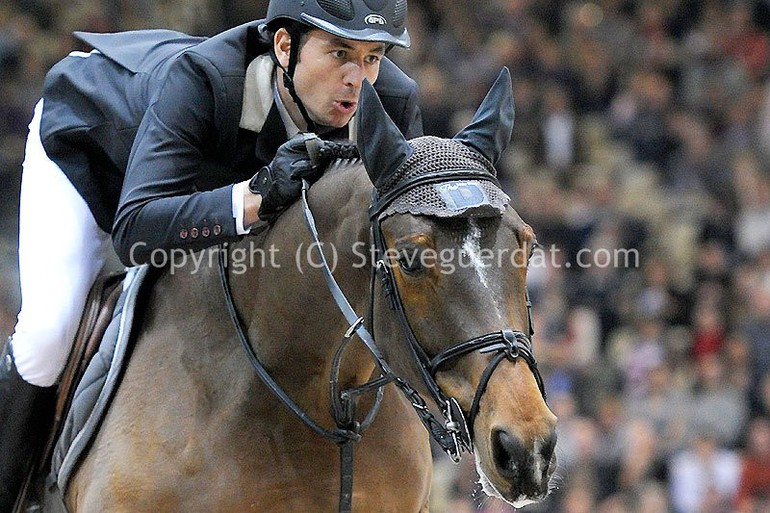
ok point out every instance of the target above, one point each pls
(696, 167)
(579, 499)
(717, 407)
(709, 331)
(559, 130)
(744, 41)
(645, 354)
(752, 224)
(642, 460)
(663, 406)
(756, 330)
(754, 485)
(737, 360)
(653, 499)
(640, 115)
(704, 477)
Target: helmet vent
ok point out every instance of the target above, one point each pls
(375, 5)
(399, 16)
(342, 9)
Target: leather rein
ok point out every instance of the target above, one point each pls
(452, 432)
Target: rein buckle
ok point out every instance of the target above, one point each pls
(458, 429)
(353, 328)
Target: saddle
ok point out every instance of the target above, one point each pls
(88, 381)
(97, 314)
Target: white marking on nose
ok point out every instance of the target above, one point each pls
(472, 249)
(538, 459)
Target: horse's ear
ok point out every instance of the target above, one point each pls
(490, 130)
(382, 146)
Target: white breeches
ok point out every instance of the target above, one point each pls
(61, 252)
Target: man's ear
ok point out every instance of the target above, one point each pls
(282, 46)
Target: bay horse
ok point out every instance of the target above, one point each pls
(193, 428)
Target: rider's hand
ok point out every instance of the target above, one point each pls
(280, 182)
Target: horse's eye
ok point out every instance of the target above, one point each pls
(410, 261)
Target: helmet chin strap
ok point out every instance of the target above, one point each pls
(288, 82)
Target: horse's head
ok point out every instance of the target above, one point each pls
(456, 256)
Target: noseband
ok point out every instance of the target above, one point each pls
(452, 433)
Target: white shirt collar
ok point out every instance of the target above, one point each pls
(257, 93)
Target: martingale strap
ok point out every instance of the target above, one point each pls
(347, 432)
(338, 436)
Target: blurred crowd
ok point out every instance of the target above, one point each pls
(641, 157)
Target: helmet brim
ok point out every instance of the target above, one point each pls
(369, 35)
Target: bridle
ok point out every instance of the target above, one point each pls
(506, 343)
(452, 432)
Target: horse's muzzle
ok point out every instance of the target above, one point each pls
(526, 471)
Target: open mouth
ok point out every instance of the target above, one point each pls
(346, 106)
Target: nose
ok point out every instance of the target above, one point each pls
(354, 75)
(526, 470)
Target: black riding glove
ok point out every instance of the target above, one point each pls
(280, 182)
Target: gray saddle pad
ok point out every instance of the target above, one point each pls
(97, 387)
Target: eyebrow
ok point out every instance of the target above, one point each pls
(338, 41)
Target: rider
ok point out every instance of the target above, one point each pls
(180, 124)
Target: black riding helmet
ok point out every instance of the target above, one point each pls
(376, 21)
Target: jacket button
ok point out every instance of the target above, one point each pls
(217, 229)
(183, 234)
(194, 233)
(205, 231)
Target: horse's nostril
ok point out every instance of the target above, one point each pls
(549, 446)
(509, 453)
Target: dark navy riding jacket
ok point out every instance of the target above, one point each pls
(147, 130)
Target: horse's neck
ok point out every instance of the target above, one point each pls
(292, 319)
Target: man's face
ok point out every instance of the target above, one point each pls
(330, 72)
